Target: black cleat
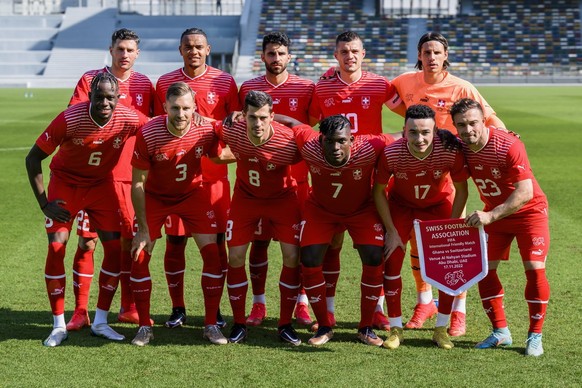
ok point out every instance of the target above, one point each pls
(178, 317)
(238, 333)
(288, 334)
(220, 322)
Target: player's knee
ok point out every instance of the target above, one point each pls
(371, 255)
(87, 244)
(312, 255)
(176, 240)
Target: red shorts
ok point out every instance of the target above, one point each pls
(195, 211)
(126, 213)
(319, 226)
(98, 201)
(531, 230)
(220, 201)
(300, 171)
(281, 215)
(403, 217)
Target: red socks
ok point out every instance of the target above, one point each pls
(537, 295)
(237, 285)
(55, 278)
(314, 285)
(491, 292)
(289, 284)
(370, 288)
(82, 277)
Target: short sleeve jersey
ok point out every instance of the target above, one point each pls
(346, 189)
(87, 152)
(291, 98)
(262, 171)
(361, 101)
(420, 183)
(174, 163)
(440, 96)
(497, 166)
(216, 97)
(137, 92)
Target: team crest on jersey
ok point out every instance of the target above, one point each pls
(495, 172)
(162, 156)
(357, 174)
(211, 98)
(199, 151)
(139, 99)
(401, 175)
(293, 104)
(271, 166)
(210, 214)
(437, 174)
(315, 170)
(378, 228)
(441, 103)
(117, 142)
(78, 141)
(409, 97)
(366, 102)
(537, 241)
(329, 102)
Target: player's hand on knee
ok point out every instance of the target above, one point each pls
(56, 212)
(392, 241)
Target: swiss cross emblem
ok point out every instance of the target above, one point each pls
(357, 173)
(441, 103)
(139, 99)
(437, 174)
(293, 104)
(378, 227)
(270, 166)
(495, 172)
(211, 98)
(117, 142)
(366, 102)
(199, 151)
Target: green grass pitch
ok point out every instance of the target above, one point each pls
(549, 120)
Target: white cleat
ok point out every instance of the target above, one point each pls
(58, 335)
(105, 331)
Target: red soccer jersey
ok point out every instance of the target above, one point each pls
(497, 166)
(361, 101)
(216, 97)
(346, 189)
(135, 92)
(420, 183)
(87, 152)
(262, 171)
(440, 96)
(291, 98)
(174, 163)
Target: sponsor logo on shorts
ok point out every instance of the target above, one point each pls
(537, 252)
(537, 241)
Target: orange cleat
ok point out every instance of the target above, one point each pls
(79, 320)
(380, 321)
(258, 313)
(422, 312)
(457, 327)
(302, 314)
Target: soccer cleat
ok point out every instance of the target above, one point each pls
(457, 327)
(56, 337)
(367, 336)
(441, 338)
(258, 313)
(302, 316)
(380, 321)
(288, 334)
(322, 336)
(498, 337)
(422, 312)
(220, 321)
(177, 318)
(143, 337)
(213, 334)
(130, 316)
(238, 333)
(395, 338)
(79, 320)
(330, 317)
(103, 330)
(533, 345)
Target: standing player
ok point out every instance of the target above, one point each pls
(341, 167)
(167, 180)
(435, 87)
(291, 97)
(90, 138)
(416, 170)
(515, 208)
(216, 95)
(264, 192)
(360, 96)
(135, 91)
